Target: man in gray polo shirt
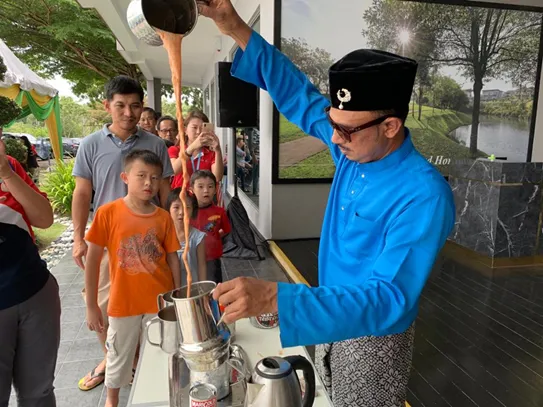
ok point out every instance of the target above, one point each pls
(98, 166)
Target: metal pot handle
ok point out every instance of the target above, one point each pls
(220, 309)
(151, 322)
(160, 301)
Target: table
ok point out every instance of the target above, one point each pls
(151, 388)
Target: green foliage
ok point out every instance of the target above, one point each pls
(59, 37)
(16, 149)
(289, 131)
(484, 43)
(314, 62)
(192, 98)
(60, 186)
(78, 120)
(429, 136)
(38, 130)
(8, 108)
(446, 93)
(168, 108)
(512, 107)
(44, 237)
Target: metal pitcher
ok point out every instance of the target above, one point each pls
(198, 315)
(169, 330)
(139, 25)
(165, 300)
(173, 16)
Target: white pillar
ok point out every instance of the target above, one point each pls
(154, 93)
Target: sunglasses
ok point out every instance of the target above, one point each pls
(346, 132)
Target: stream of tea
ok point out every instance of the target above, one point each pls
(172, 44)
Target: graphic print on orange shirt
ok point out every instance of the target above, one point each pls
(140, 253)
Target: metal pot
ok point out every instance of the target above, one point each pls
(173, 16)
(139, 25)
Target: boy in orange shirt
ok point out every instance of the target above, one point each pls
(142, 244)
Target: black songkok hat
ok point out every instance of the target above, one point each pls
(367, 79)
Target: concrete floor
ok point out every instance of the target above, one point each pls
(79, 350)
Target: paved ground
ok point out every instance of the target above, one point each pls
(292, 152)
(79, 351)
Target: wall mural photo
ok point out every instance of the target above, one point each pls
(475, 86)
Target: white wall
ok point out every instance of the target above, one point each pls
(537, 151)
(298, 210)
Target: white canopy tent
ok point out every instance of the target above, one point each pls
(33, 94)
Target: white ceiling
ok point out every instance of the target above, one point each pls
(198, 47)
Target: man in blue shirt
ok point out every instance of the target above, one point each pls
(388, 216)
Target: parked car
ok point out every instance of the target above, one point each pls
(70, 147)
(43, 145)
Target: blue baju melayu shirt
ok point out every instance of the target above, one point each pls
(385, 222)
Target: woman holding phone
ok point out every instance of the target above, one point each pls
(203, 151)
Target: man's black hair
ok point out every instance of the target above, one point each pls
(202, 174)
(123, 85)
(150, 109)
(174, 197)
(146, 156)
(163, 119)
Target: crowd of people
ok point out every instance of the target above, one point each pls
(130, 172)
(134, 246)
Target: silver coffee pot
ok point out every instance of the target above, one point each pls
(274, 383)
(174, 16)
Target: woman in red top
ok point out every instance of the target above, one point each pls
(203, 149)
(29, 294)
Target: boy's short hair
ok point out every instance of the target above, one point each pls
(123, 85)
(202, 174)
(146, 156)
(174, 197)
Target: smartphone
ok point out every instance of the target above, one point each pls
(208, 128)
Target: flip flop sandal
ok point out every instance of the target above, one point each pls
(94, 375)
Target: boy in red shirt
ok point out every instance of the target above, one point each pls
(142, 244)
(211, 219)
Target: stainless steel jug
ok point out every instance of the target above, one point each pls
(169, 330)
(174, 16)
(198, 315)
(139, 25)
(164, 300)
(275, 383)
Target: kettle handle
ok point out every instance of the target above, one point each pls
(301, 363)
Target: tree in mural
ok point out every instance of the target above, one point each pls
(407, 29)
(522, 70)
(484, 43)
(446, 93)
(314, 62)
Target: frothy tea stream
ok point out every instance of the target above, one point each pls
(172, 44)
